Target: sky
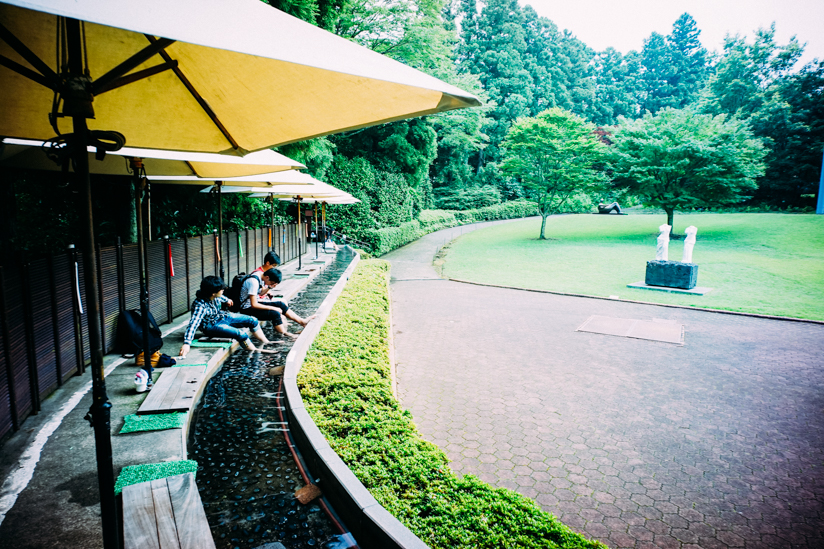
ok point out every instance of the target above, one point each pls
(624, 24)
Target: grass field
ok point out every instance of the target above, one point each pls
(757, 263)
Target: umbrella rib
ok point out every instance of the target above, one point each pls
(130, 63)
(9, 38)
(134, 77)
(200, 100)
(24, 71)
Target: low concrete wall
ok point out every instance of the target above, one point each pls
(370, 523)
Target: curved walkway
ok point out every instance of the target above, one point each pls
(716, 443)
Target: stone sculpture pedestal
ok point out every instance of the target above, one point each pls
(672, 274)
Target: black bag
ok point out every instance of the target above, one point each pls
(233, 291)
(130, 333)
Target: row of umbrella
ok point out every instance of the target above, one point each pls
(198, 76)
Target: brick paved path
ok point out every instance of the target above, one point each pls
(717, 443)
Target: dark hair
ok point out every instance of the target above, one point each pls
(274, 275)
(271, 258)
(209, 286)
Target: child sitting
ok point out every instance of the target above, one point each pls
(208, 316)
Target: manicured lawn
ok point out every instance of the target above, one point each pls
(758, 263)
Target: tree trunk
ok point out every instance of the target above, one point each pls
(670, 216)
(543, 226)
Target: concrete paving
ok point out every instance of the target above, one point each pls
(716, 443)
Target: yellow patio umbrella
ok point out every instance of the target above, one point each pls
(235, 77)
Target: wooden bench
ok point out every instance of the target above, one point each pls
(165, 514)
(174, 391)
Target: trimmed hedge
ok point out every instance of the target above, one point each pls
(390, 238)
(346, 387)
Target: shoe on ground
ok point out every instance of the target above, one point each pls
(141, 381)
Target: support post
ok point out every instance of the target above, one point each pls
(100, 412)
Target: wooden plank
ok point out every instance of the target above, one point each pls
(164, 515)
(153, 402)
(187, 386)
(167, 404)
(192, 525)
(139, 524)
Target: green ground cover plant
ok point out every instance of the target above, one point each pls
(764, 263)
(346, 386)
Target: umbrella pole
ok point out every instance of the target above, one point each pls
(323, 219)
(299, 237)
(219, 185)
(272, 224)
(317, 232)
(136, 165)
(100, 412)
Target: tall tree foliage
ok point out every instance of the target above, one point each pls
(555, 155)
(755, 81)
(679, 159)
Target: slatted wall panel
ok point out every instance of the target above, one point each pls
(261, 245)
(84, 317)
(110, 304)
(180, 301)
(64, 293)
(249, 248)
(42, 320)
(6, 424)
(6, 418)
(209, 262)
(195, 270)
(13, 299)
(230, 261)
(156, 250)
(131, 277)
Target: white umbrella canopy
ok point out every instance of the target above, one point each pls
(27, 153)
(260, 181)
(332, 199)
(238, 76)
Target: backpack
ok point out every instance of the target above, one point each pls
(129, 338)
(233, 291)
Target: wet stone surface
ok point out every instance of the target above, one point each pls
(246, 475)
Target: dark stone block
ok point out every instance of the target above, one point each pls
(671, 274)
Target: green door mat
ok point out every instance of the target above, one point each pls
(135, 474)
(153, 422)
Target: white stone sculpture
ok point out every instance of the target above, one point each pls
(663, 243)
(689, 243)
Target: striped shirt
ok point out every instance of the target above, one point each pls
(204, 314)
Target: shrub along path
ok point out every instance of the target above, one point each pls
(717, 443)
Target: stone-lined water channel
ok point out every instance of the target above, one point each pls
(247, 475)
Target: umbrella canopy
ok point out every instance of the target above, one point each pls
(335, 200)
(27, 153)
(260, 181)
(206, 76)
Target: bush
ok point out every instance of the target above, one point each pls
(346, 386)
(390, 238)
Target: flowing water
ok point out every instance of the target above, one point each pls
(246, 473)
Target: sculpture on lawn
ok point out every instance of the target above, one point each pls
(663, 243)
(689, 244)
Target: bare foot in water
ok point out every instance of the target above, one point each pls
(307, 320)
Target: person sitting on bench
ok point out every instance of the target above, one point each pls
(208, 316)
(253, 305)
(270, 261)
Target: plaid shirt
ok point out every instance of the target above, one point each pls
(204, 314)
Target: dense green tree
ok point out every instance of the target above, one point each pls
(673, 67)
(680, 160)
(617, 86)
(555, 155)
(756, 81)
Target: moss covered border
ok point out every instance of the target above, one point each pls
(346, 387)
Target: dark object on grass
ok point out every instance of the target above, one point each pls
(608, 208)
(671, 274)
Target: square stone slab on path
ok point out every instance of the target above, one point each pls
(665, 331)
